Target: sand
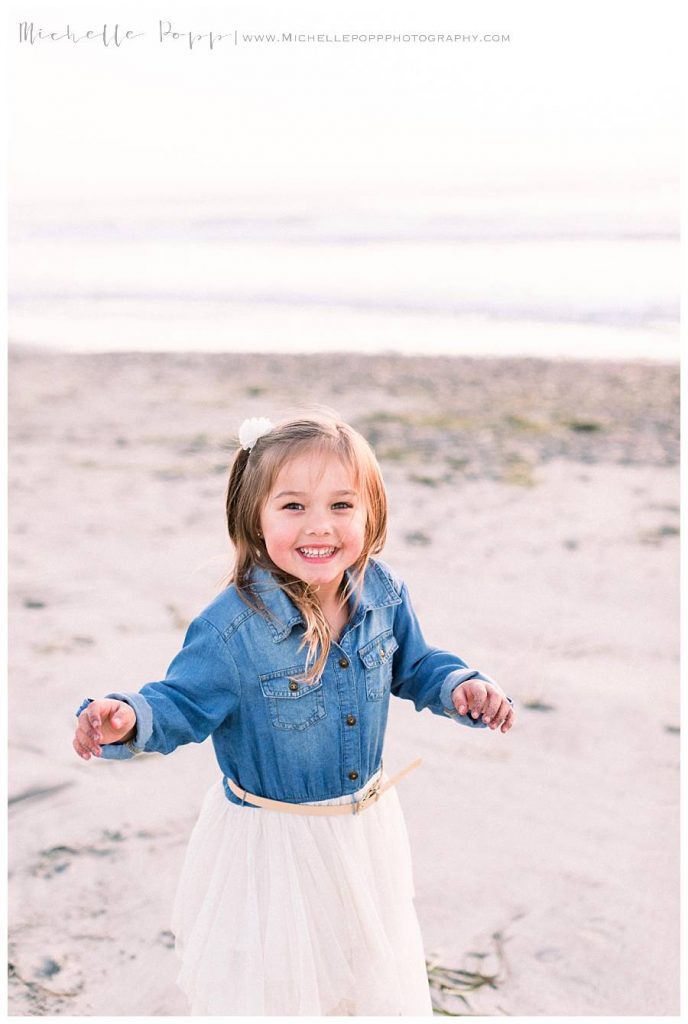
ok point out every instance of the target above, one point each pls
(534, 516)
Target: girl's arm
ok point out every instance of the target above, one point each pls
(427, 675)
(200, 690)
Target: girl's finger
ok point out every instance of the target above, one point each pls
(86, 741)
(460, 700)
(501, 715)
(477, 697)
(82, 753)
(91, 730)
(492, 706)
(509, 721)
(84, 733)
(117, 719)
(87, 722)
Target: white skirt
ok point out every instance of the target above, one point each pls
(294, 915)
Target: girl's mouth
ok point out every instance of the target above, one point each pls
(317, 554)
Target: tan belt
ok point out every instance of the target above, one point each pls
(370, 797)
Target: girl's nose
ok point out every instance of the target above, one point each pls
(319, 524)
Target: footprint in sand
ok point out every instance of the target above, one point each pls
(57, 859)
(42, 974)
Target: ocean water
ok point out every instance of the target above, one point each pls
(573, 275)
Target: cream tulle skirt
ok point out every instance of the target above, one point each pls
(282, 914)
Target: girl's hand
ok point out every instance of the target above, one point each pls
(481, 698)
(103, 721)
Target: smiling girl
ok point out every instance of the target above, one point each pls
(296, 895)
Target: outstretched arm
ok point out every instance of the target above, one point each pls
(200, 690)
(441, 681)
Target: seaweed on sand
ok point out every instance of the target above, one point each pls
(449, 985)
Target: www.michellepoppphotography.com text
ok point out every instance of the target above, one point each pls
(116, 36)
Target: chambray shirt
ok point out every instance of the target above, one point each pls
(275, 736)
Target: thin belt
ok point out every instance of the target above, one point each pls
(370, 797)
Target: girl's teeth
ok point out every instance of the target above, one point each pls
(317, 554)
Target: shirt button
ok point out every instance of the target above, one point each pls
(343, 662)
(351, 719)
(353, 775)
(382, 652)
(293, 686)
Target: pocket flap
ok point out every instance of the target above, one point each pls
(285, 683)
(380, 650)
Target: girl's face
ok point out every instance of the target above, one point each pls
(313, 521)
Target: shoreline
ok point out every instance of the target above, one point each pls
(20, 348)
(623, 358)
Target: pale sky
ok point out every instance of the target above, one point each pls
(584, 92)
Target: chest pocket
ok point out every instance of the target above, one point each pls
(376, 655)
(292, 704)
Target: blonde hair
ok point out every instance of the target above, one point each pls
(251, 479)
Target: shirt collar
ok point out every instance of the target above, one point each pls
(378, 592)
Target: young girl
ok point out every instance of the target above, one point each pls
(296, 895)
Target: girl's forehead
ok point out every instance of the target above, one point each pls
(312, 468)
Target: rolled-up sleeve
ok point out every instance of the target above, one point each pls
(201, 689)
(427, 675)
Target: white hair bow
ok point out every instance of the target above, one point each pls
(253, 428)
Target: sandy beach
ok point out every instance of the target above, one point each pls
(535, 518)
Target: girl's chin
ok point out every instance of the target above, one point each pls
(315, 576)
(324, 573)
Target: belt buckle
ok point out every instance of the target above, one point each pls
(371, 794)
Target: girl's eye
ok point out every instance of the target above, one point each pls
(297, 504)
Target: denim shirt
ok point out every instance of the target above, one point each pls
(281, 738)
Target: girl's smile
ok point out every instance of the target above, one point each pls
(313, 522)
(313, 554)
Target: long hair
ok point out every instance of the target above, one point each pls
(251, 479)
